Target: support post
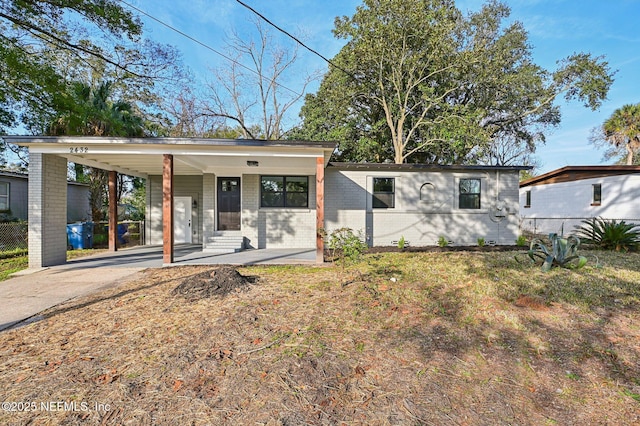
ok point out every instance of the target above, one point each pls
(113, 210)
(167, 209)
(319, 209)
(47, 210)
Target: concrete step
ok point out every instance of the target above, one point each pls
(227, 242)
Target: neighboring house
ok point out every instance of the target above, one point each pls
(232, 194)
(561, 199)
(14, 196)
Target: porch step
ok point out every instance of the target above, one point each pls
(224, 242)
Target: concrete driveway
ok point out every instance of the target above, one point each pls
(24, 296)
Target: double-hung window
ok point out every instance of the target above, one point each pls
(384, 193)
(4, 196)
(284, 191)
(469, 194)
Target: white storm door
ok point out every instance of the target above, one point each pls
(181, 220)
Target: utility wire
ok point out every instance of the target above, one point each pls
(264, 18)
(206, 46)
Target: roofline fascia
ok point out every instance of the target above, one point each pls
(409, 166)
(597, 168)
(27, 140)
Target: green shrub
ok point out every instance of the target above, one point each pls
(401, 243)
(481, 242)
(609, 234)
(521, 241)
(563, 252)
(442, 241)
(347, 245)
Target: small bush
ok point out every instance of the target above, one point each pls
(609, 234)
(347, 245)
(442, 241)
(401, 243)
(521, 241)
(481, 242)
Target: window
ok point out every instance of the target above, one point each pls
(284, 191)
(383, 193)
(469, 194)
(4, 196)
(527, 199)
(427, 192)
(597, 194)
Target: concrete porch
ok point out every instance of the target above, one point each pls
(191, 254)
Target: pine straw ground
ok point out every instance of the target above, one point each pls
(401, 338)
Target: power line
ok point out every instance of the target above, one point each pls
(264, 18)
(206, 46)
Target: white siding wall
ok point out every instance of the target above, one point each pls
(184, 186)
(563, 205)
(422, 222)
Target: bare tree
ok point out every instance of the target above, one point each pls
(249, 92)
(188, 117)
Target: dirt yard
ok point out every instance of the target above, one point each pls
(454, 338)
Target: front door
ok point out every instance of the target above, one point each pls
(181, 220)
(229, 204)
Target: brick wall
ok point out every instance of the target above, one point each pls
(421, 221)
(276, 227)
(183, 186)
(47, 210)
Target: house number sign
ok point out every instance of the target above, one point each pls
(78, 149)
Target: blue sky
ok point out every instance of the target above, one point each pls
(557, 28)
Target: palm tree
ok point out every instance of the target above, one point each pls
(90, 112)
(623, 129)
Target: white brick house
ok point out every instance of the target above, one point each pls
(232, 194)
(423, 202)
(559, 200)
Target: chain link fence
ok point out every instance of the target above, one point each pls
(559, 225)
(13, 236)
(129, 233)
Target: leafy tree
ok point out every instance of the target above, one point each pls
(621, 134)
(47, 44)
(427, 84)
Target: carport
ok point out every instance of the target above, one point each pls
(168, 159)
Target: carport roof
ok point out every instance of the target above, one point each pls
(192, 156)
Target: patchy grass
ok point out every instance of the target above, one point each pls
(400, 338)
(11, 263)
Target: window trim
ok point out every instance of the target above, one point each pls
(461, 194)
(392, 194)
(598, 201)
(527, 199)
(8, 184)
(284, 192)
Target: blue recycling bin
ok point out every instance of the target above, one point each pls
(80, 235)
(122, 232)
